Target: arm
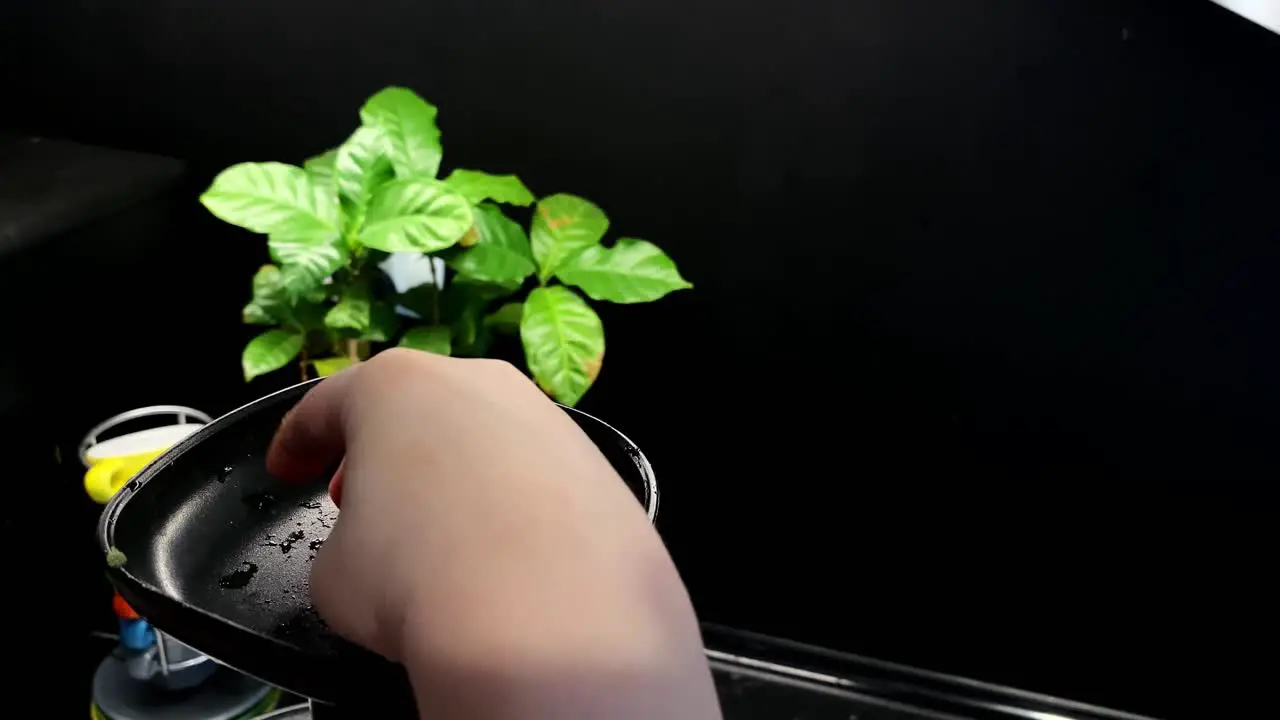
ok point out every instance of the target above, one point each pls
(487, 544)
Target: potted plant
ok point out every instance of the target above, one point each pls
(342, 229)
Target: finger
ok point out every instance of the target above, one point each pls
(335, 484)
(310, 440)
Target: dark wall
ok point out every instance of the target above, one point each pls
(980, 370)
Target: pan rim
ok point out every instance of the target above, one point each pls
(130, 583)
(107, 520)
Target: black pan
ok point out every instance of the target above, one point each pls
(219, 555)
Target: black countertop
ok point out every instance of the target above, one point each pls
(763, 678)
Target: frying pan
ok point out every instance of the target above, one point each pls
(219, 556)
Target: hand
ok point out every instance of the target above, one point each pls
(486, 543)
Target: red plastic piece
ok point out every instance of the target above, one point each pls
(122, 609)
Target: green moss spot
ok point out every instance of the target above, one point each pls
(115, 558)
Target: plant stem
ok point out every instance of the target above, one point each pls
(302, 364)
(353, 351)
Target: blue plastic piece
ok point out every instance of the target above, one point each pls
(136, 634)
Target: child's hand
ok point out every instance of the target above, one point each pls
(486, 543)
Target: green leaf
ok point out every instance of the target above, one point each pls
(466, 327)
(422, 215)
(408, 126)
(563, 342)
(506, 318)
(321, 166)
(352, 311)
(491, 290)
(501, 253)
(269, 351)
(632, 271)
(383, 323)
(461, 307)
(309, 314)
(361, 166)
(463, 293)
(321, 259)
(331, 365)
(476, 348)
(562, 225)
(476, 186)
(471, 338)
(273, 198)
(254, 314)
(275, 296)
(307, 262)
(432, 338)
(269, 293)
(298, 283)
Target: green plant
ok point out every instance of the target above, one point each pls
(331, 223)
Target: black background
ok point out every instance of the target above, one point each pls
(980, 370)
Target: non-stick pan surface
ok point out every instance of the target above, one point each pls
(219, 554)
